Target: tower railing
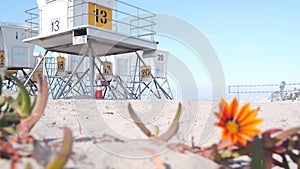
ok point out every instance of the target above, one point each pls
(32, 21)
(126, 19)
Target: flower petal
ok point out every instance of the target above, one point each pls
(245, 113)
(250, 132)
(241, 139)
(218, 115)
(220, 124)
(234, 108)
(244, 118)
(224, 109)
(248, 116)
(234, 138)
(251, 123)
(225, 134)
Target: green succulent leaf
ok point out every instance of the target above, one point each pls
(9, 119)
(173, 129)
(10, 130)
(156, 131)
(287, 133)
(138, 121)
(257, 153)
(28, 166)
(33, 104)
(64, 153)
(1, 82)
(38, 109)
(225, 153)
(177, 115)
(13, 103)
(7, 108)
(23, 98)
(2, 101)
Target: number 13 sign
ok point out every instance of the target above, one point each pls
(100, 16)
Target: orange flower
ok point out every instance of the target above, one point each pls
(238, 125)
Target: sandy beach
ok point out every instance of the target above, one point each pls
(106, 137)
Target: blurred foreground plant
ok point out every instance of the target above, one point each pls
(61, 157)
(172, 130)
(240, 137)
(18, 116)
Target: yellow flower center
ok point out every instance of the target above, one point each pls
(232, 127)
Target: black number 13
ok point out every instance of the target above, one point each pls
(103, 17)
(55, 26)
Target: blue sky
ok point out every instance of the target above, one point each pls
(257, 42)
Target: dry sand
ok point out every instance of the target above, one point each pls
(94, 121)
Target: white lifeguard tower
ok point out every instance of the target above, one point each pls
(91, 31)
(154, 74)
(16, 58)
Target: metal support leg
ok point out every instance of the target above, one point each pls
(109, 87)
(60, 92)
(169, 88)
(36, 67)
(92, 72)
(154, 79)
(78, 81)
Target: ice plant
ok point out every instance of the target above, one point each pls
(18, 116)
(239, 125)
(64, 153)
(172, 130)
(286, 145)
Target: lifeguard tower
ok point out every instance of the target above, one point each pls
(16, 58)
(91, 31)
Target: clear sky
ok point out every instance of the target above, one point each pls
(257, 42)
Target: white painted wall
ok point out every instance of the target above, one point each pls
(16, 53)
(61, 15)
(158, 61)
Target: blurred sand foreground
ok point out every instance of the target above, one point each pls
(105, 136)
